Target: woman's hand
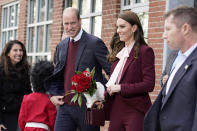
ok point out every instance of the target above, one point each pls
(113, 89)
(2, 126)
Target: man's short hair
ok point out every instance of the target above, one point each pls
(182, 15)
(73, 9)
(40, 72)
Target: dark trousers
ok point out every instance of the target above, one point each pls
(10, 121)
(71, 118)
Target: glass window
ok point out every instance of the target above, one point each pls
(40, 39)
(31, 38)
(32, 11)
(40, 14)
(96, 6)
(48, 40)
(85, 7)
(9, 23)
(50, 10)
(126, 2)
(41, 10)
(90, 11)
(85, 24)
(97, 21)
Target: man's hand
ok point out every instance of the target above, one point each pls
(2, 126)
(113, 89)
(164, 79)
(57, 100)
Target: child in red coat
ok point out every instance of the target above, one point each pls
(37, 113)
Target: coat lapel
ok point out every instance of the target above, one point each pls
(129, 60)
(64, 50)
(80, 49)
(179, 74)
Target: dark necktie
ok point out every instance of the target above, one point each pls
(72, 41)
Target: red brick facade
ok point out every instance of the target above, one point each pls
(57, 26)
(155, 31)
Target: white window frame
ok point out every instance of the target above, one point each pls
(137, 8)
(35, 25)
(89, 16)
(7, 29)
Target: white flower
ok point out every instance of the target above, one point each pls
(98, 95)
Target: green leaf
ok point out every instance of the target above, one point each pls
(80, 100)
(78, 72)
(92, 72)
(74, 98)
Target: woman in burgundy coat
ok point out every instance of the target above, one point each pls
(132, 75)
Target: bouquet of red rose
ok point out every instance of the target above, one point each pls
(82, 82)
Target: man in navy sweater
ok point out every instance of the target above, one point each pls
(75, 53)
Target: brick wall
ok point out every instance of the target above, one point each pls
(22, 21)
(57, 25)
(111, 9)
(155, 31)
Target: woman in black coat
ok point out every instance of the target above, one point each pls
(14, 83)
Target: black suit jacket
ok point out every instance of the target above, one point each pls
(91, 53)
(178, 112)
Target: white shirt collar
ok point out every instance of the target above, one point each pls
(78, 36)
(190, 50)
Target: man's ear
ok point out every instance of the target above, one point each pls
(186, 28)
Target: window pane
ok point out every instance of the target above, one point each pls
(29, 58)
(32, 9)
(48, 40)
(41, 10)
(75, 3)
(16, 15)
(40, 58)
(144, 20)
(126, 2)
(141, 1)
(15, 34)
(11, 16)
(40, 39)
(31, 38)
(85, 24)
(50, 10)
(5, 17)
(97, 21)
(68, 3)
(85, 7)
(4, 39)
(97, 6)
(10, 35)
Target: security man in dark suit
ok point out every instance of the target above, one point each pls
(175, 108)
